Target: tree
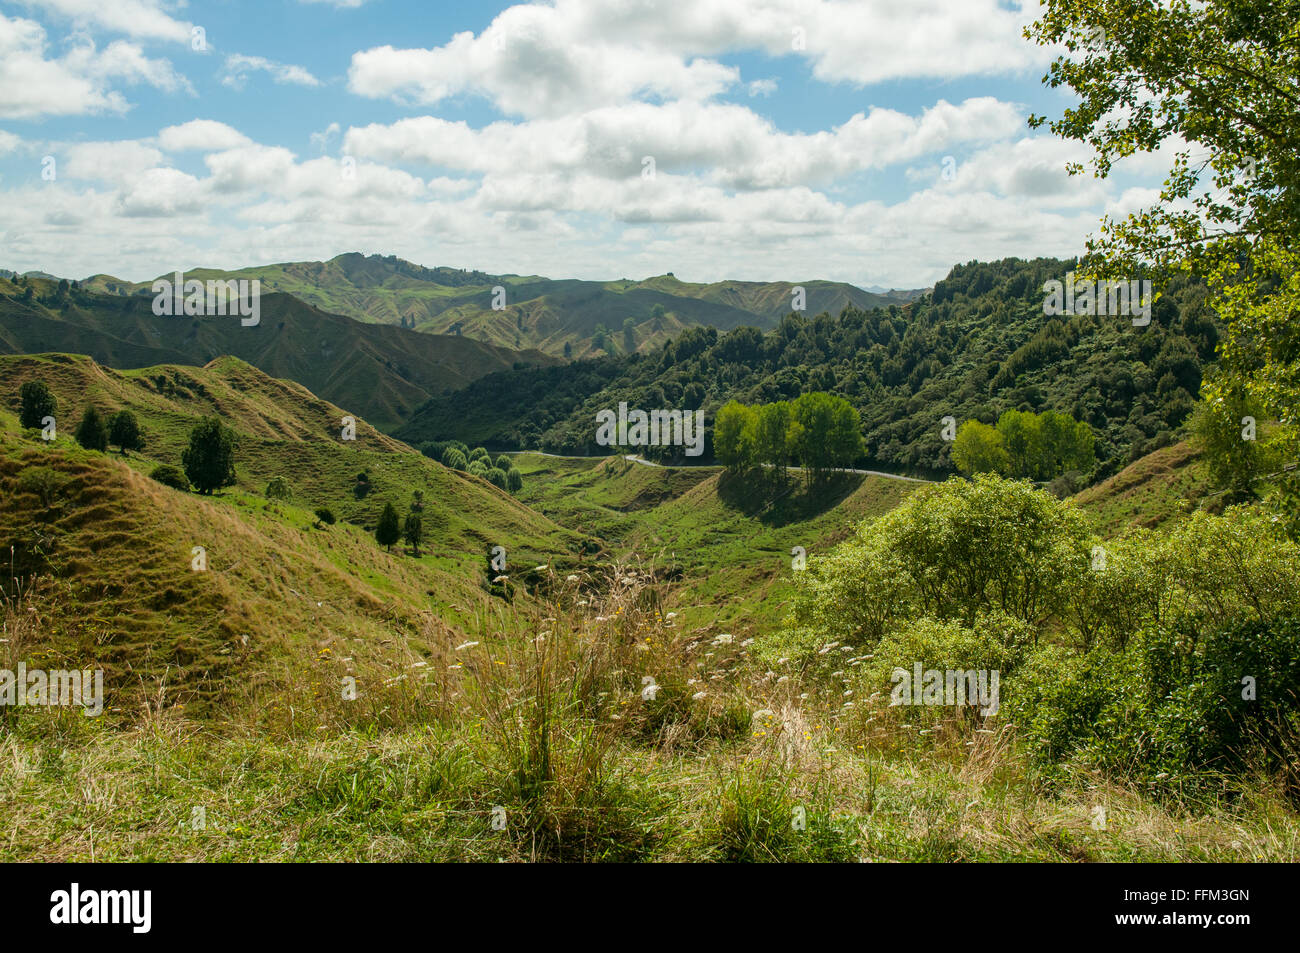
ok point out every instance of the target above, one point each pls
(728, 434)
(454, 459)
(209, 460)
(92, 433)
(497, 477)
(1022, 436)
(413, 531)
(770, 436)
(325, 515)
(1216, 81)
(978, 448)
(124, 431)
(1067, 444)
(629, 335)
(815, 413)
(568, 350)
(38, 402)
(389, 530)
(514, 480)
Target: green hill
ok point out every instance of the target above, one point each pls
(380, 373)
(113, 547)
(542, 313)
(976, 347)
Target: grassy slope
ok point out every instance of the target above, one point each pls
(1160, 486)
(380, 373)
(119, 544)
(727, 538)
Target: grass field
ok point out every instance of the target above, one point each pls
(483, 727)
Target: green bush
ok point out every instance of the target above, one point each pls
(454, 458)
(1173, 709)
(497, 477)
(278, 489)
(169, 475)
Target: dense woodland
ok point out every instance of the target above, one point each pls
(977, 346)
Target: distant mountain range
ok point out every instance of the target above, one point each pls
(381, 373)
(561, 317)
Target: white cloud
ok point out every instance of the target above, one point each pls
(201, 135)
(735, 146)
(144, 19)
(77, 83)
(234, 72)
(538, 60)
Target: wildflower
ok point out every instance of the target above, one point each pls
(571, 579)
(697, 696)
(464, 645)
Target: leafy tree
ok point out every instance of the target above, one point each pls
(568, 350)
(389, 530)
(480, 453)
(453, 458)
(629, 335)
(38, 402)
(728, 433)
(417, 501)
(1067, 444)
(770, 436)
(978, 448)
(1217, 82)
(45, 482)
(514, 480)
(325, 515)
(497, 477)
(477, 468)
(1022, 436)
(92, 432)
(413, 532)
(361, 488)
(504, 462)
(124, 431)
(1227, 429)
(169, 475)
(209, 460)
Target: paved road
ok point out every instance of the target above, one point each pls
(687, 466)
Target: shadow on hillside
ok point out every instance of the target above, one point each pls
(775, 502)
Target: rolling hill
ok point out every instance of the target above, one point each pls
(112, 547)
(380, 373)
(542, 313)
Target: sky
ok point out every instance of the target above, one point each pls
(877, 142)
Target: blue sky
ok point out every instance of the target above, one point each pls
(872, 142)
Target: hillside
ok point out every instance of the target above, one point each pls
(376, 372)
(112, 548)
(542, 313)
(979, 345)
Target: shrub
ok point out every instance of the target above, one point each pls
(45, 482)
(325, 515)
(278, 489)
(479, 453)
(169, 475)
(514, 480)
(454, 458)
(477, 468)
(497, 477)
